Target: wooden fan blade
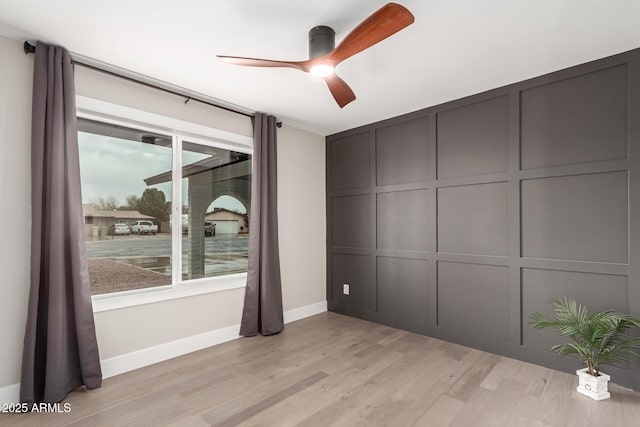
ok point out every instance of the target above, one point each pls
(256, 62)
(388, 20)
(340, 90)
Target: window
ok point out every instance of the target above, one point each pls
(214, 220)
(149, 223)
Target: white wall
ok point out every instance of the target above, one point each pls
(125, 331)
(302, 216)
(107, 88)
(16, 77)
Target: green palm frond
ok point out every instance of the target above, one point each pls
(622, 351)
(598, 339)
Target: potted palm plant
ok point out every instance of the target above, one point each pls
(598, 339)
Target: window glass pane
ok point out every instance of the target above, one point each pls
(216, 187)
(126, 196)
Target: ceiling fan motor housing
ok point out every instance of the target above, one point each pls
(322, 40)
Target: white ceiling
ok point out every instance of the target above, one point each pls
(455, 48)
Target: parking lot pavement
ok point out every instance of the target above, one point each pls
(135, 246)
(132, 262)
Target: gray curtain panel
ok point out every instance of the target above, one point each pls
(262, 312)
(60, 348)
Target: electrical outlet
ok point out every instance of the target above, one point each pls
(345, 289)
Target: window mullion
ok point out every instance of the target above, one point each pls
(176, 214)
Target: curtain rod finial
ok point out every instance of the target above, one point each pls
(279, 124)
(29, 48)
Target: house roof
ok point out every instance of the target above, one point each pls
(90, 211)
(224, 210)
(452, 50)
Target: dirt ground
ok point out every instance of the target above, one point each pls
(108, 276)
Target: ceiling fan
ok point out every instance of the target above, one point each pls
(324, 56)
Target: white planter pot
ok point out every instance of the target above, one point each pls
(595, 387)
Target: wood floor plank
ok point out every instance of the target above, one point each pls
(333, 370)
(442, 412)
(267, 402)
(478, 365)
(319, 400)
(381, 399)
(490, 408)
(504, 368)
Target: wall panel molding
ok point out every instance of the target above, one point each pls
(508, 198)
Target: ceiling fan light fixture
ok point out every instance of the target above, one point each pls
(324, 56)
(322, 70)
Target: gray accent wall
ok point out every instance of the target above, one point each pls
(459, 220)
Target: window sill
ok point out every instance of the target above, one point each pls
(115, 301)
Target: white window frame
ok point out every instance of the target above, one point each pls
(179, 130)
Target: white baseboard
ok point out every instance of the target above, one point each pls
(10, 394)
(159, 353)
(148, 356)
(138, 359)
(306, 311)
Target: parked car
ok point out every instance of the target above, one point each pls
(209, 228)
(119, 230)
(144, 227)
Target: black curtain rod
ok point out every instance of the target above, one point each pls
(29, 48)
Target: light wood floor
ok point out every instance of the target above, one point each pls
(335, 370)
